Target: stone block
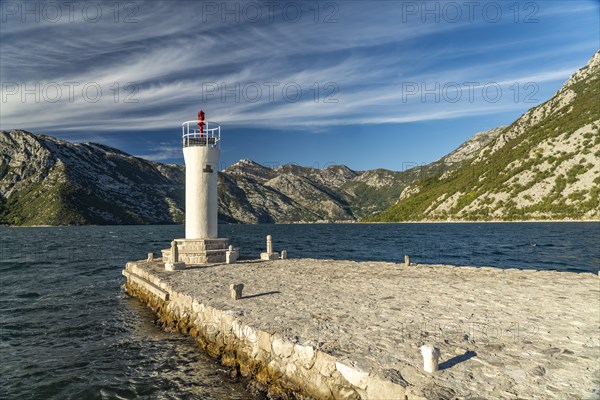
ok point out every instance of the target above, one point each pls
(269, 256)
(318, 386)
(170, 266)
(232, 255)
(324, 363)
(227, 319)
(236, 290)
(250, 334)
(282, 347)
(198, 251)
(275, 370)
(197, 307)
(379, 389)
(340, 390)
(290, 370)
(264, 341)
(146, 285)
(353, 375)
(304, 355)
(284, 255)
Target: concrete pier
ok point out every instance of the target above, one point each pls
(329, 329)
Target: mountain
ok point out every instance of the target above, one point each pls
(252, 193)
(545, 165)
(289, 193)
(47, 181)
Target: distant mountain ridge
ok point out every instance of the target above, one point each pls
(545, 165)
(47, 181)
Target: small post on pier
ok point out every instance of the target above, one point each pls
(236, 290)
(173, 263)
(431, 357)
(232, 255)
(174, 252)
(270, 254)
(406, 261)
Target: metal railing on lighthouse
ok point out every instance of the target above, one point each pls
(210, 135)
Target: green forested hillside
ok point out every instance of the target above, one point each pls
(546, 165)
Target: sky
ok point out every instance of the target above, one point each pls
(367, 84)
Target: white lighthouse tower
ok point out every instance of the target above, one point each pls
(201, 151)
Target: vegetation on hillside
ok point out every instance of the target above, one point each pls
(485, 188)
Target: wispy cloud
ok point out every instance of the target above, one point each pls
(155, 72)
(163, 153)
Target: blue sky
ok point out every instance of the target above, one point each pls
(366, 84)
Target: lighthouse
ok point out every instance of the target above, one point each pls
(201, 152)
(201, 245)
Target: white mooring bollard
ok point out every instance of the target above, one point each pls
(269, 254)
(431, 358)
(231, 255)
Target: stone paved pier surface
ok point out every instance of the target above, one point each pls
(353, 330)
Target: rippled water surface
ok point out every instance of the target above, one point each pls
(68, 331)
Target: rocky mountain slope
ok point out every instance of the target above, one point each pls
(47, 181)
(546, 165)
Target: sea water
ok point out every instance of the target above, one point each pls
(68, 330)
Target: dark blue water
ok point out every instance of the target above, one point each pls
(559, 246)
(67, 330)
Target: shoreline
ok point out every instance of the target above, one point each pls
(330, 329)
(433, 222)
(332, 223)
(486, 222)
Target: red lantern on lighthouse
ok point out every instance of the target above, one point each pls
(201, 122)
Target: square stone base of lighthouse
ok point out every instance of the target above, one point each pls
(199, 251)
